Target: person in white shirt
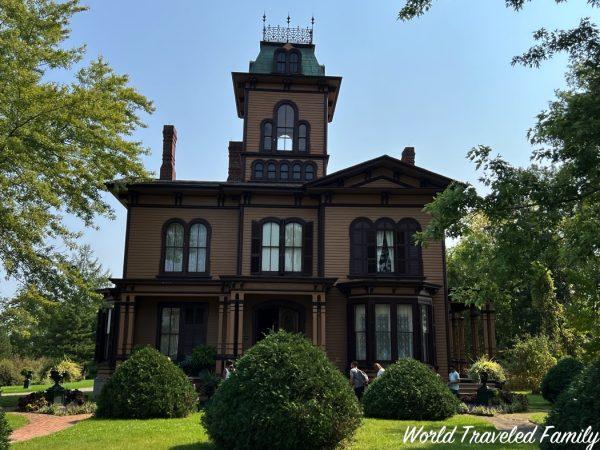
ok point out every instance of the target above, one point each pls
(358, 380)
(229, 368)
(380, 370)
(453, 381)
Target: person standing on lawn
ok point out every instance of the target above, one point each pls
(358, 379)
(453, 381)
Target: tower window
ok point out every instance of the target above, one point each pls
(296, 172)
(271, 171)
(309, 172)
(259, 170)
(280, 61)
(267, 136)
(294, 62)
(302, 137)
(285, 127)
(284, 171)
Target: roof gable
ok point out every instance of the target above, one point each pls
(383, 171)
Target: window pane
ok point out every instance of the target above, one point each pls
(360, 321)
(309, 172)
(285, 139)
(258, 170)
(296, 171)
(383, 342)
(198, 235)
(270, 259)
(385, 251)
(293, 247)
(169, 338)
(271, 234)
(285, 116)
(271, 171)
(302, 130)
(405, 331)
(284, 171)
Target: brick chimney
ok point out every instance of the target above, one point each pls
(235, 161)
(167, 169)
(408, 155)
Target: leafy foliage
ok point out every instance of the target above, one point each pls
(59, 142)
(541, 220)
(284, 394)
(203, 358)
(71, 370)
(59, 321)
(409, 390)
(9, 373)
(528, 361)
(558, 378)
(493, 369)
(4, 431)
(147, 385)
(32, 402)
(577, 407)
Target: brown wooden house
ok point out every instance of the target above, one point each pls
(282, 243)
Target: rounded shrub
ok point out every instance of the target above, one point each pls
(409, 390)
(577, 407)
(493, 369)
(4, 431)
(285, 394)
(70, 369)
(147, 385)
(9, 373)
(559, 377)
(528, 361)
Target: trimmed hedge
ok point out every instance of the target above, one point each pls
(4, 431)
(147, 385)
(409, 390)
(285, 394)
(577, 408)
(558, 378)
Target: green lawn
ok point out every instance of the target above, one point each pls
(42, 387)
(187, 434)
(538, 404)
(16, 421)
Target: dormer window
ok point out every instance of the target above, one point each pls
(288, 62)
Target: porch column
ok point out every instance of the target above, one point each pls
(130, 325)
(239, 300)
(318, 320)
(461, 341)
(315, 320)
(322, 337)
(491, 329)
(230, 332)
(220, 329)
(124, 339)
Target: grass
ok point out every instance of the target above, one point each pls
(538, 418)
(16, 421)
(537, 403)
(42, 387)
(187, 434)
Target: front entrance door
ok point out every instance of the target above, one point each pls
(276, 317)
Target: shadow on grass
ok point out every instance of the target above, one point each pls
(198, 446)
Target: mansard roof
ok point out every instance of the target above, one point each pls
(265, 61)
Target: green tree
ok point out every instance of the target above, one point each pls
(59, 321)
(60, 142)
(543, 219)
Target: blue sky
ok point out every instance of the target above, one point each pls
(442, 83)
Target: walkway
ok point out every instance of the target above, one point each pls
(43, 424)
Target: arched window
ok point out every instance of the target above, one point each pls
(294, 62)
(267, 136)
(271, 171)
(174, 248)
(302, 137)
(286, 119)
(259, 170)
(293, 247)
(409, 254)
(270, 247)
(359, 235)
(309, 172)
(198, 248)
(284, 171)
(296, 172)
(385, 246)
(280, 61)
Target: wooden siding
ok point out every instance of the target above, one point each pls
(311, 107)
(145, 238)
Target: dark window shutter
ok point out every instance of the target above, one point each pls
(100, 336)
(401, 252)
(371, 250)
(255, 249)
(358, 248)
(413, 256)
(307, 249)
